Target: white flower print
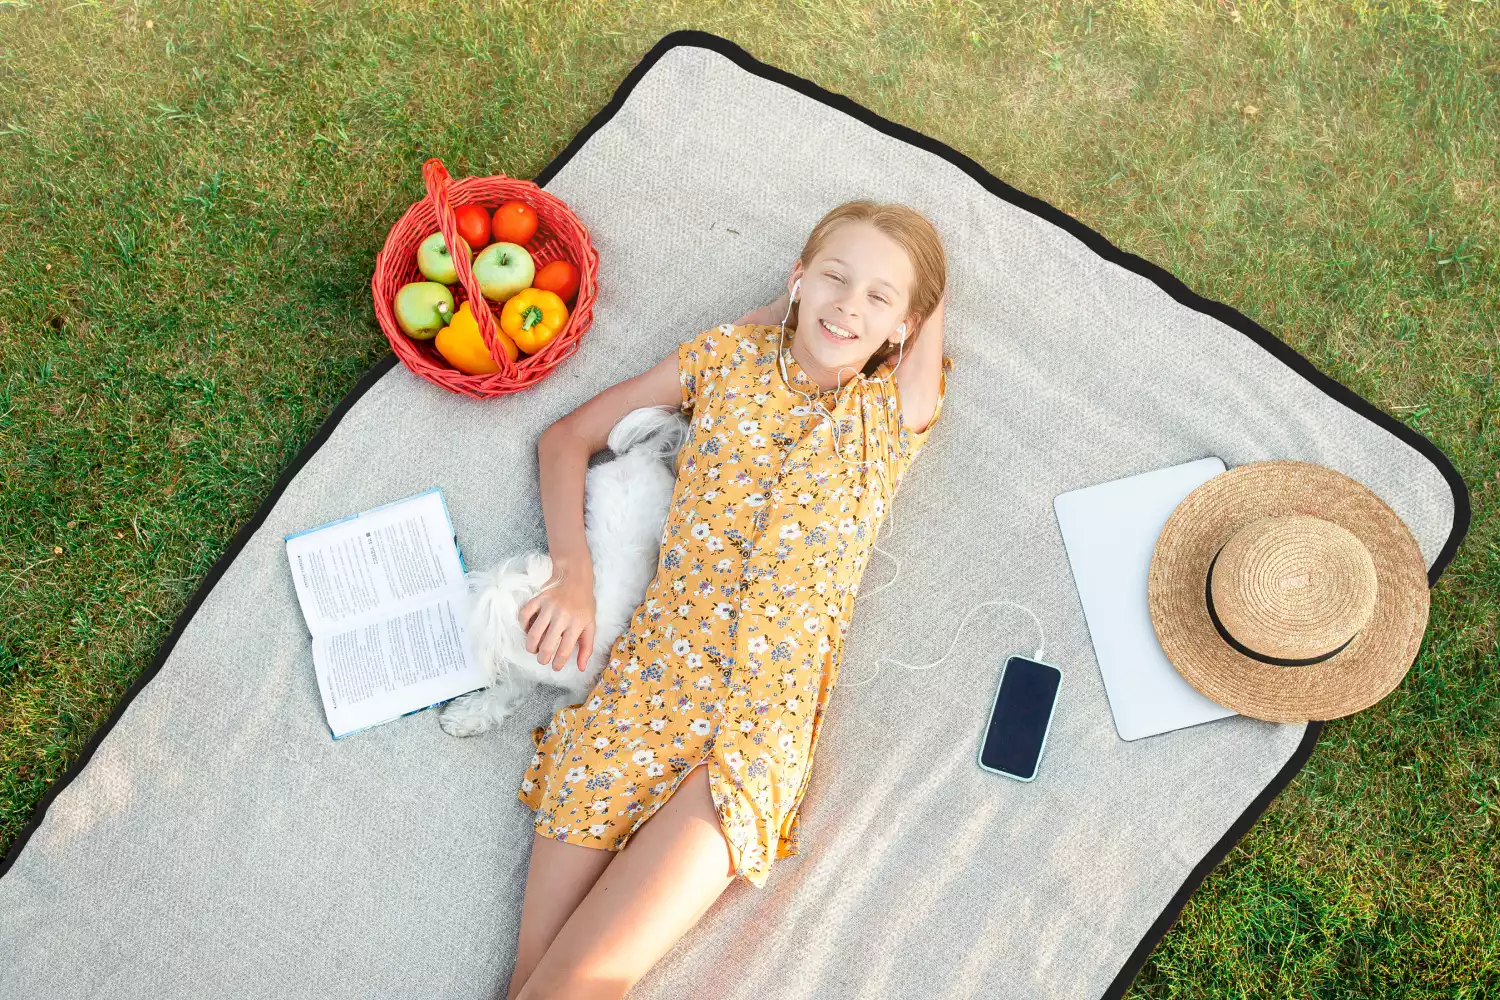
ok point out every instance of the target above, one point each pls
(738, 631)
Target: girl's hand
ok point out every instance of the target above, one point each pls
(561, 618)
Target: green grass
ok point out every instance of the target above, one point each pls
(192, 196)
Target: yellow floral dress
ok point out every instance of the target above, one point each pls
(732, 655)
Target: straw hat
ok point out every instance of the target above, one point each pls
(1288, 592)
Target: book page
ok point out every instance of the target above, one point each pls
(376, 564)
(382, 670)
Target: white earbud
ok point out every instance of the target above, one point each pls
(796, 285)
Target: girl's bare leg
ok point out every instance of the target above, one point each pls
(654, 890)
(560, 875)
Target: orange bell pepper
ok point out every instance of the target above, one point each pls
(532, 318)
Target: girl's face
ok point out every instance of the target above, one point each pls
(853, 296)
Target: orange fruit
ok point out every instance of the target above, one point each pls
(514, 222)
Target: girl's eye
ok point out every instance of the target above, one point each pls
(833, 276)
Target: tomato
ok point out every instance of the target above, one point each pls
(473, 225)
(514, 222)
(559, 277)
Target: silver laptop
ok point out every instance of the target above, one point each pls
(1110, 531)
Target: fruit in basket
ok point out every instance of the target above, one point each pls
(462, 346)
(514, 222)
(533, 317)
(502, 270)
(560, 277)
(422, 308)
(473, 223)
(434, 260)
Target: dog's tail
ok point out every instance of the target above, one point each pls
(659, 429)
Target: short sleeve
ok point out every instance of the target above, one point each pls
(910, 442)
(700, 361)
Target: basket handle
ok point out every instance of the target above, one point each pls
(436, 177)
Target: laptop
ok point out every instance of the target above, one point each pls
(1109, 532)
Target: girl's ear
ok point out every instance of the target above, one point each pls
(913, 324)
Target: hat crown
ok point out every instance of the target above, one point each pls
(1293, 587)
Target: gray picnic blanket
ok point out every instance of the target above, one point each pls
(216, 841)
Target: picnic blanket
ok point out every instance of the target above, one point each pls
(214, 841)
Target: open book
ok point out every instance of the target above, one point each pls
(385, 599)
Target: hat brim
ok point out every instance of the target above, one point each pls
(1360, 674)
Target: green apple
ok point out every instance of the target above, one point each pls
(502, 270)
(434, 260)
(423, 308)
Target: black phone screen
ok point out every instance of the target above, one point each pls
(1021, 716)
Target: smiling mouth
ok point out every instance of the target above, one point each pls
(838, 332)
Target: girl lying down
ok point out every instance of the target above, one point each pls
(685, 767)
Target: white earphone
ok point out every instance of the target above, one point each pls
(833, 426)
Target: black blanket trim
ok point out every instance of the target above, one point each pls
(1094, 241)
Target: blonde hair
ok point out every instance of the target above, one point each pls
(916, 236)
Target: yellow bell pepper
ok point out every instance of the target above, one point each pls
(461, 345)
(532, 318)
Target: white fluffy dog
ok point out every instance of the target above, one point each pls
(625, 507)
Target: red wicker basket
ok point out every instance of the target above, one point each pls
(559, 235)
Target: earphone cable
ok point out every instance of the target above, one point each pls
(889, 495)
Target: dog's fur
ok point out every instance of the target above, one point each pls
(625, 507)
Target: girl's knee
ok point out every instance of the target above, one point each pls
(575, 985)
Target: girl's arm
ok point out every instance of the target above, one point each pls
(918, 377)
(562, 615)
(767, 315)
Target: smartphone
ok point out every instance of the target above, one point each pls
(1020, 718)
